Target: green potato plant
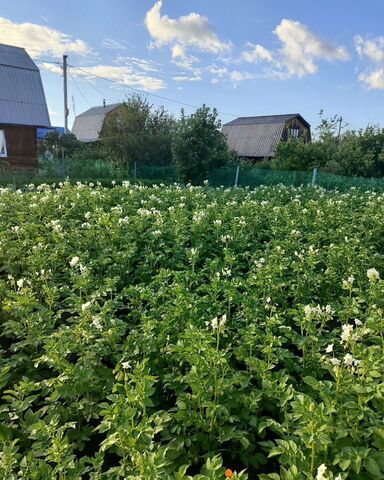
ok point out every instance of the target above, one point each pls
(168, 332)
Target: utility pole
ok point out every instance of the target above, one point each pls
(340, 122)
(66, 111)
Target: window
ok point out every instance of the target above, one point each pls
(293, 132)
(3, 145)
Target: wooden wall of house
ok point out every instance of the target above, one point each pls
(297, 123)
(110, 118)
(21, 146)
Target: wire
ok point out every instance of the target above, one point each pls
(48, 61)
(144, 91)
(78, 88)
(93, 86)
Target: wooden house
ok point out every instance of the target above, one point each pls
(23, 108)
(256, 138)
(88, 126)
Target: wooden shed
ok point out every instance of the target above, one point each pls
(256, 138)
(23, 108)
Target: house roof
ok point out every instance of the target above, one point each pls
(22, 99)
(88, 125)
(257, 136)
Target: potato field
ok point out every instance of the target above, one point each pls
(178, 333)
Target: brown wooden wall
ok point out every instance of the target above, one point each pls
(305, 132)
(21, 146)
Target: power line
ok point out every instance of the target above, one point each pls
(48, 61)
(144, 91)
(78, 88)
(97, 90)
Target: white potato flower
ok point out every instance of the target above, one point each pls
(373, 275)
(348, 359)
(218, 323)
(74, 261)
(335, 362)
(86, 305)
(346, 333)
(321, 472)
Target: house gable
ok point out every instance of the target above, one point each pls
(258, 137)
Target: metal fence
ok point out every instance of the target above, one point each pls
(234, 175)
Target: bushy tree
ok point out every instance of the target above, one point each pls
(57, 145)
(353, 153)
(295, 154)
(198, 145)
(139, 134)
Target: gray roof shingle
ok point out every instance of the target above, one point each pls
(257, 136)
(22, 98)
(265, 119)
(88, 125)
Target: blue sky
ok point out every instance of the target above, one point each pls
(250, 57)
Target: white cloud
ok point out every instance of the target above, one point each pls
(184, 78)
(374, 79)
(372, 49)
(140, 63)
(51, 68)
(40, 40)
(217, 71)
(124, 75)
(237, 76)
(190, 30)
(181, 58)
(301, 48)
(256, 53)
(114, 44)
(178, 51)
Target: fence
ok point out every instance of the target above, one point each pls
(241, 175)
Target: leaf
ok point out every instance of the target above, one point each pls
(244, 442)
(181, 472)
(373, 468)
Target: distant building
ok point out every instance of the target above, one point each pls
(43, 132)
(88, 126)
(23, 107)
(256, 138)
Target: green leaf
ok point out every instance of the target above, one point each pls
(373, 468)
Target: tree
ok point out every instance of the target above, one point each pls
(57, 145)
(198, 145)
(296, 154)
(353, 153)
(139, 134)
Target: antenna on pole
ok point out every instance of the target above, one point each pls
(66, 111)
(73, 106)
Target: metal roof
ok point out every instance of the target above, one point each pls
(253, 140)
(22, 99)
(88, 125)
(266, 119)
(257, 136)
